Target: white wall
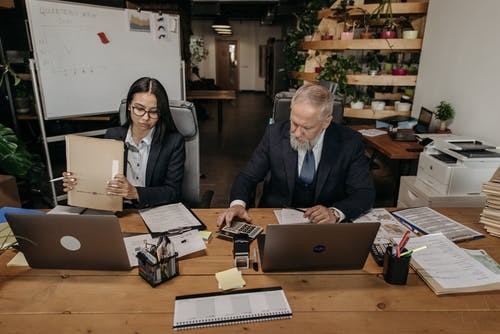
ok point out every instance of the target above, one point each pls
(460, 64)
(249, 34)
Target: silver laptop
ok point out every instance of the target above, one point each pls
(70, 241)
(298, 247)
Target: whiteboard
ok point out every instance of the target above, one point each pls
(87, 56)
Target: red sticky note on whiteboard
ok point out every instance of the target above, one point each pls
(103, 37)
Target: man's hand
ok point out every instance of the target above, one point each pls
(120, 186)
(227, 216)
(320, 214)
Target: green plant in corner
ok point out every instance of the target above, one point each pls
(14, 158)
(444, 111)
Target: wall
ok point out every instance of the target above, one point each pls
(459, 64)
(250, 34)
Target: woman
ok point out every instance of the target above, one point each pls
(154, 151)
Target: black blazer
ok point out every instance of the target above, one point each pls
(343, 177)
(164, 170)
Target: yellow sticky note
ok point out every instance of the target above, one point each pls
(206, 235)
(230, 279)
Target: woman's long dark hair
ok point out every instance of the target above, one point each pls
(165, 122)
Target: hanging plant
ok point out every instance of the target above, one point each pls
(336, 70)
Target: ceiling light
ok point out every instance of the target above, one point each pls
(224, 33)
(221, 22)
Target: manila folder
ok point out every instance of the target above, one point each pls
(94, 162)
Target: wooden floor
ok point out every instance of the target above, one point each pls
(223, 155)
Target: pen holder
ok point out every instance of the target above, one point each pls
(156, 269)
(395, 269)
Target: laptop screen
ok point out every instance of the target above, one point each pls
(424, 121)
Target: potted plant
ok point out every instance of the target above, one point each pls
(444, 111)
(23, 96)
(385, 9)
(365, 23)
(336, 70)
(359, 101)
(197, 50)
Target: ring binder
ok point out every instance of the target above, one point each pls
(252, 305)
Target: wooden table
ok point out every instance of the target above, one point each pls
(356, 301)
(217, 95)
(394, 150)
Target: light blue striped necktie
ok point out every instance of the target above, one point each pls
(308, 168)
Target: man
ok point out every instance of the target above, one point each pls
(307, 162)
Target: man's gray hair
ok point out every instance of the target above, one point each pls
(317, 96)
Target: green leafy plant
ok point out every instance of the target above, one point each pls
(444, 111)
(336, 70)
(14, 158)
(384, 9)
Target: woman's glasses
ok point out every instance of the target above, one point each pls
(141, 111)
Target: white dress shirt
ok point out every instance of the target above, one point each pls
(137, 158)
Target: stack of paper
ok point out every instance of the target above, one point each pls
(491, 213)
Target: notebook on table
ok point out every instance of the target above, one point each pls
(70, 242)
(300, 247)
(222, 308)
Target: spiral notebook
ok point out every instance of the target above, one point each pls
(219, 308)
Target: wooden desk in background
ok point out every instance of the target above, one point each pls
(355, 301)
(218, 95)
(396, 151)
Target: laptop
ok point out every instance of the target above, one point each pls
(298, 247)
(422, 126)
(70, 241)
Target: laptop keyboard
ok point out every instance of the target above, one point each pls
(378, 251)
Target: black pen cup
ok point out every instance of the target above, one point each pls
(396, 269)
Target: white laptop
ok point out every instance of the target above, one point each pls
(70, 241)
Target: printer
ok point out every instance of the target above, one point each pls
(454, 165)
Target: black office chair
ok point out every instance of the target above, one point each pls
(283, 100)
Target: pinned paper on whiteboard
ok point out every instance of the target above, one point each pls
(139, 21)
(173, 25)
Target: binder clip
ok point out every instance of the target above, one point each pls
(241, 250)
(158, 263)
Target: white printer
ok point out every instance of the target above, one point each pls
(454, 165)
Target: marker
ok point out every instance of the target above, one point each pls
(255, 264)
(410, 252)
(57, 179)
(402, 243)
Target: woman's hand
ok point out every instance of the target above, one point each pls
(119, 186)
(69, 181)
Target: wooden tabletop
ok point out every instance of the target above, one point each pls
(391, 148)
(211, 95)
(355, 301)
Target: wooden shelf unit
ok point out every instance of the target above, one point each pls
(397, 8)
(368, 113)
(365, 79)
(393, 44)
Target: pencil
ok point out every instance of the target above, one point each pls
(57, 179)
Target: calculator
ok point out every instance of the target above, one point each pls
(378, 251)
(228, 232)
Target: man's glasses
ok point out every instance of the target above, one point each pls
(141, 111)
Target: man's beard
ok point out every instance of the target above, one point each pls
(305, 145)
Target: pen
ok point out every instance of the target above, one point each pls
(255, 264)
(57, 179)
(402, 243)
(410, 252)
(297, 209)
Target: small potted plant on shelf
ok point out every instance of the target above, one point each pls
(385, 9)
(444, 111)
(407, 28)
(359, 100)
(23, 96)
(365, 23)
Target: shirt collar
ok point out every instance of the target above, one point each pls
(146, 140)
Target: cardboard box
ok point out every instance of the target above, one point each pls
(9, 196)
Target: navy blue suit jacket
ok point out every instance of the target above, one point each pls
(343, 177)
(164, 170)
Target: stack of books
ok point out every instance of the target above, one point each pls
(491, 213)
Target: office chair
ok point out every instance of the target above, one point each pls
(282, 101)
(184, 115)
